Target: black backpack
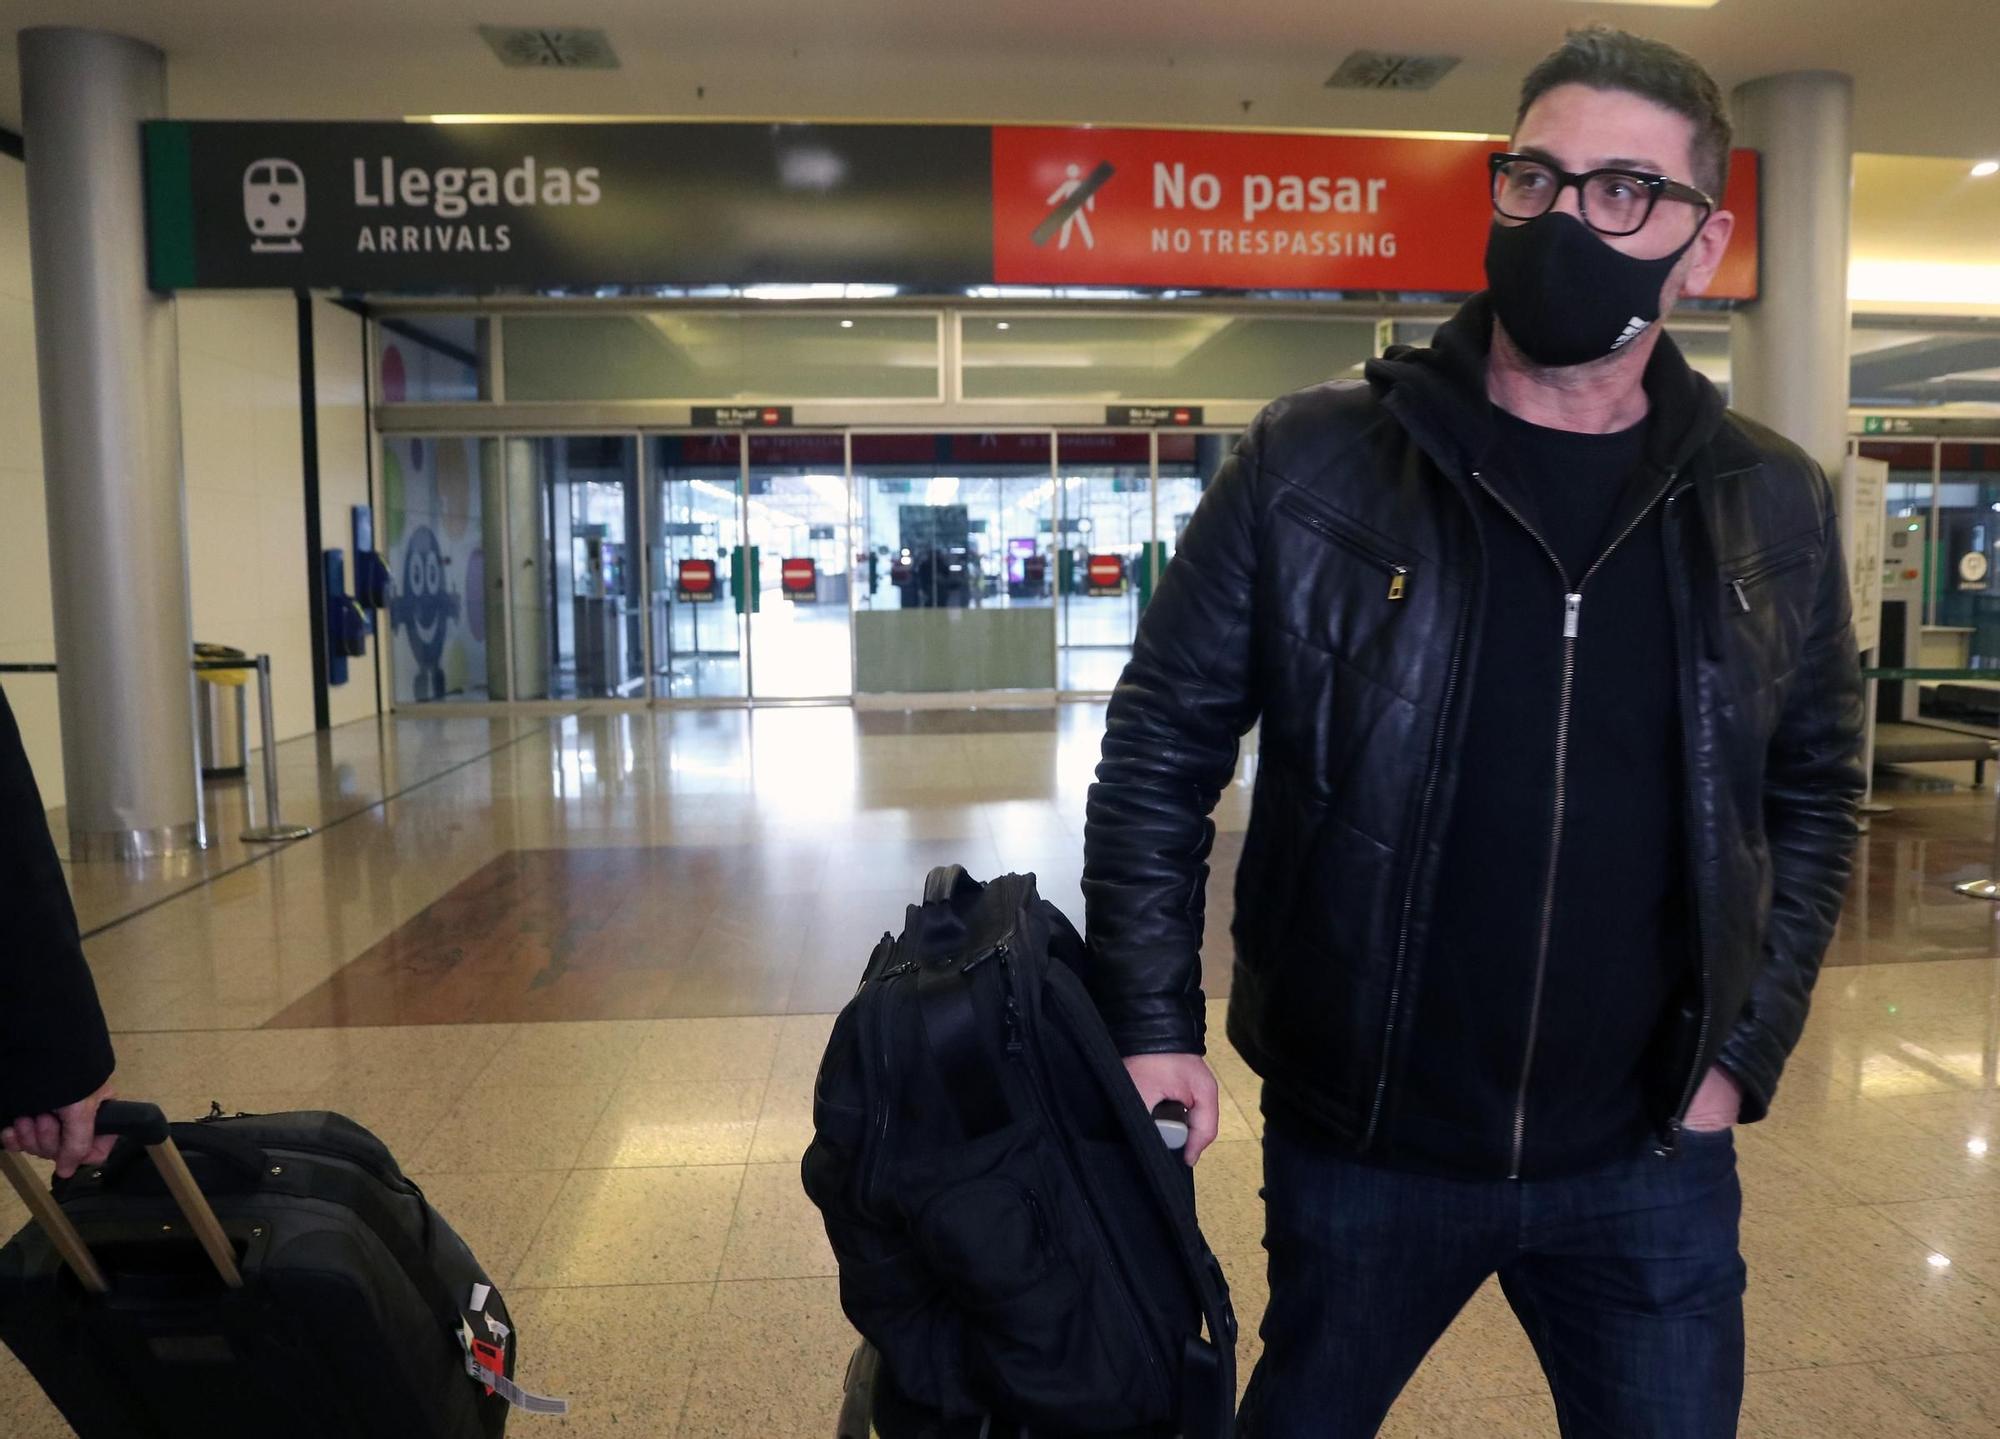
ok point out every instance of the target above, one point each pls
(1012, 1234)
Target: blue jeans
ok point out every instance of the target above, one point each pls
(1627, 1280)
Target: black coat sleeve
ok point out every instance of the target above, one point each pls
(54, 1049)
(1812, 786)
(1170, 744)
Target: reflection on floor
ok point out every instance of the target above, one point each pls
(577, 971)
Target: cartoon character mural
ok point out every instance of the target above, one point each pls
(423, 608)
(432, 502)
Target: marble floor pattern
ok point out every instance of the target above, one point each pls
(577, 970)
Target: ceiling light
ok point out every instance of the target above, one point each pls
(847, 324)
(1985, 168)
(1938, 1261)
(1975, 1147)
(1001, 326)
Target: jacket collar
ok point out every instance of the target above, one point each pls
(1438, 392)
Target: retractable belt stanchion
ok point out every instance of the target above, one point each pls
(274, 829)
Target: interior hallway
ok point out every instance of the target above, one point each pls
(577, 971)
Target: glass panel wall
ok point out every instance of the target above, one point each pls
(1205, 355)
(434, 543)
(955, 568)
(714, 355)
(699, 610)
(799, 560)
(1965, 588)
(1103, 568)
(1188, 463)
(590, 563)
(429, 359)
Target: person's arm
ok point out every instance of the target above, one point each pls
(1812, 785)
(55, 1053)
(1170, 745)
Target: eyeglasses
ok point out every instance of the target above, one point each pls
(1612, 202)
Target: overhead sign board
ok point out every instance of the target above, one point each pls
(743, 417)
(1164, 416)
(1943, 428)
(578, 205)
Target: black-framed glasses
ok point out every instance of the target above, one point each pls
(1612, 202)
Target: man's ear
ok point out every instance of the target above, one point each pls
(1706, 254)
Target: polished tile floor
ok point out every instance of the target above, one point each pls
(577, 970)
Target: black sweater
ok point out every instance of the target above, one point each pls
(1510, 1071)
(54, 1049)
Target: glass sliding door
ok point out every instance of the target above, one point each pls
(591, 566)
(954, 571)
(700, 603)
(1103, 563)
(1188, 462)
(800, 557)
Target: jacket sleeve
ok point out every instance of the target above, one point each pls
(1170, 744)
(54, 1049)
(1812, 785)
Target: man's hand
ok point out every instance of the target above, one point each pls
(69, 1136)
(1716, 1104)
(1187, 1078)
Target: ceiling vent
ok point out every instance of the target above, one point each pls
(1379, 70)
(534, 47)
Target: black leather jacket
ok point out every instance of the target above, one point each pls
(1330, 585)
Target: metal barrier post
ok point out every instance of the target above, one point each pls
(274, 829)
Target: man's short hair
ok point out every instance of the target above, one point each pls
(1608, 59)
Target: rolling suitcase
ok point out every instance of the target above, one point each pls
(266, 1274)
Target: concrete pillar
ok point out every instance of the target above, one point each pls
(111, 449)
(1788, 363)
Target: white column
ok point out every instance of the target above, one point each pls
(1788, 361)
(111, 448)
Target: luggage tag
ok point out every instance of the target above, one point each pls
(480, 1294)
(486, 1362)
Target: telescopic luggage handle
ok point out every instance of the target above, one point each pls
(146, 1125)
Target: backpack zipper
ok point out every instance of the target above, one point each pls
(1105, 1253)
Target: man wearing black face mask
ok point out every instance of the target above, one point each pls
(1558, 769)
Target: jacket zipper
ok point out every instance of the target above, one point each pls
(1571, 628)
(1702, 945)
(1758, 576)
(1417, 865)
(1399, 574)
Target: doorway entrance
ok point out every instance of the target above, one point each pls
(728, 567)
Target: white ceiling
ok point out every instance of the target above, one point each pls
(1924, 69)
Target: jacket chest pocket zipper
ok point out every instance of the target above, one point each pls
(1750, 579)
(1398, 573)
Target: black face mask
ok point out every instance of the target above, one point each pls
(1564, 295)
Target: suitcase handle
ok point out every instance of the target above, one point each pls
(148, 1125)
(245, 1161)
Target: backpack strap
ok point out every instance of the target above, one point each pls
(951, 1029)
